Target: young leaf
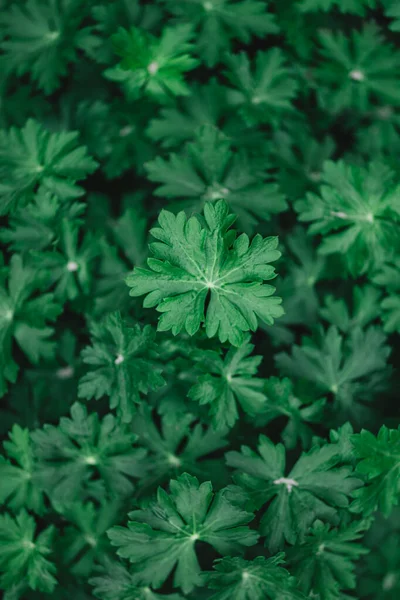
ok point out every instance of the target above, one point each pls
(220, 21)
(259, 579)
(156, 66)
(23, 556)
(357, 213)
(42, 38)
(25, 319)
(109, 16)
(207, 170)
(179, 444)
(84, 542)
(228, 382)
(197, 259)
(32, 156)
(19, 487)
(282, 402)
(36, 226)
(316, 487)
(265, 92)
(379, 464)
(324, 564)
(356, 69)
(115, 582)
(163, 535)
(353, 368)
(206, 105)
(124, 361)
(365, 309)
(69, 267)
(82, 449)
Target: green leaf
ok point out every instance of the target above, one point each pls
(156, 66)
(24, 318)
(366, 309)
(32, 156)
(206, 105)
(282, 402)
(180, 443)
(124, 362)
(84, 542)
(82, 450)
(228, 382)
(42, 38)
(356, 69)
(259, 579)
(357, 213)
(117, 583)
(109, 16)
(220, 21)
(263, 91)
(353, 368)
(325, 564)
(379, 464)
(208, 170)
(69, 266)
(196, 259)
(379, 572)
(23, 556)
(316, 487)
(164, 535)
(19, 487)
(35, 226)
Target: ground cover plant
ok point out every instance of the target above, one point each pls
(199, 299)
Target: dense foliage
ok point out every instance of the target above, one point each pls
(199, 299)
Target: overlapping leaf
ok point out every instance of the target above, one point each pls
(316, 487)
(164, 535)
(227, 382)
(124, 361)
